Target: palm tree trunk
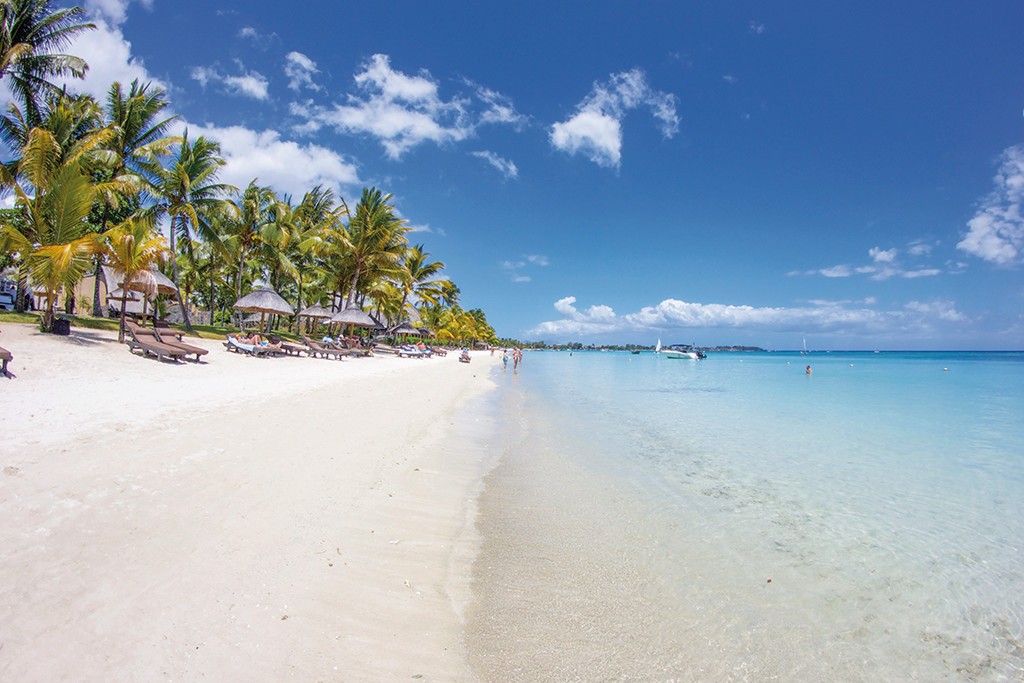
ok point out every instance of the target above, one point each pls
(352, 289)
(120, 327)
(23, 292)
(177, 290)
(97, 309)
(213, 305)
(298, 307)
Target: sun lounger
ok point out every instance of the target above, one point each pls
(399, 351)
(5, 358)
(315, 348)
(167, 337)
(146, 341)
(165, 327)
(288, 347)
(233, 344)
(351, 350)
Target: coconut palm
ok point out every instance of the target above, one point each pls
(32, 34)
(132, 247)
(374, 240)
(417, 276)
(55, 191)
(320, 230)
(186, 191)
(139, 139)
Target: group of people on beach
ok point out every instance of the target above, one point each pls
(517, 358)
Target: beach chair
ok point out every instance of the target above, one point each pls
(399, 351)
(5, 358)
(287, 347)
(167, 337)
(164, 330)
(315, 348)
(145, 340)
(232, 344)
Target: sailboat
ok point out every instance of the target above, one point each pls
(657, 349)
(805, 352)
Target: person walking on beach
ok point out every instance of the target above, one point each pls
(504, 359)
(517, 358)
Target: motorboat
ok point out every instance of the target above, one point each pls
(682, 351)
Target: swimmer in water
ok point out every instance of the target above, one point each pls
(808, 370)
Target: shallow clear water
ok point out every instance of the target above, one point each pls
(736, 519)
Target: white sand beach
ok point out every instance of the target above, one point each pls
(240, 519)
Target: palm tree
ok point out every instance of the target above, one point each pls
(374, 240)
(186, 191)
(319, 228)
(139, 138)
(55, 192)
(32, 33)
(131, 248)
(417, 276)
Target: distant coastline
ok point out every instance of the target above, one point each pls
(577, 346)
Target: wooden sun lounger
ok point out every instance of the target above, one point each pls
(167, 337)
(232, 344)
(146, 341)
(314, 347)
(289, 348)
(5, 358)
(398, 351)
(165, 327)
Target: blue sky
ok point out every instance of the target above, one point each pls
(741, 172)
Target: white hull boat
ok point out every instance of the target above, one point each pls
(678, 351)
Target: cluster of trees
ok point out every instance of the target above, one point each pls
(93, 181)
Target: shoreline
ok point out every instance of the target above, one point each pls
(283, 517)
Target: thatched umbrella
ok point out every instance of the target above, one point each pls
(149, 283)
(354, 317)
(264, 300)
(315, 311)
(405, 328)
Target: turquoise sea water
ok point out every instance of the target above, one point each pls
(736, 519)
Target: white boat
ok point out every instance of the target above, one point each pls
(681, 351)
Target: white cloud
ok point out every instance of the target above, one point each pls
(402, 111)
(204, 75)
(248, 32)
(920, 272)
(919, 248)
(596, 128)
(252, 84)
(885, 264)
(756, 27)
(110, 59)
(943, 310)
(499, 108)
(879, 255)
(996, 233)
(300, 70)
(673, 314)
(515, 268)
(111, 12)
(504, 166)
(730, 79)
(836, 271)
(597, 135)
(249, 84)
(289, 167)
